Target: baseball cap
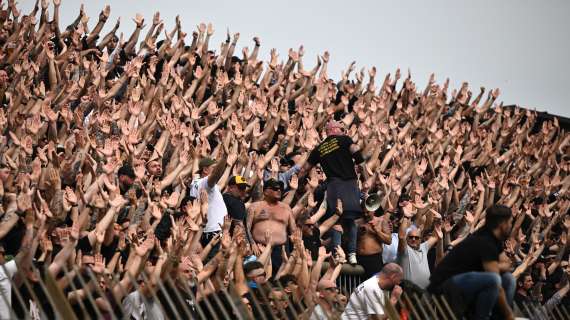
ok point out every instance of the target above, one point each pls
(236, 180)
(272, 183)
(205, 162)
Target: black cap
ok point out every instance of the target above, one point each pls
(237, 180)
(272, 183)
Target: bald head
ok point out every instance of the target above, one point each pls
(392, 269)
(390, 276)
(334, 128)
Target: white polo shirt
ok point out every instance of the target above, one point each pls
(367, 299)
(216, 207)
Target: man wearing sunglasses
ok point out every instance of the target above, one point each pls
(327, 298)
(413, 253)
(233, 198)
(271, 217)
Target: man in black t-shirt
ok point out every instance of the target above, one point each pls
(233, 198)
(474, 276)
(338, 155)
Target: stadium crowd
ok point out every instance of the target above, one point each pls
(150, 175)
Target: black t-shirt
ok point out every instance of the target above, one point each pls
(468, 256)
(313, 242)
(106, 251)
(334, 156)
(236, 208)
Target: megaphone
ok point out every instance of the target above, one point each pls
(372, 202)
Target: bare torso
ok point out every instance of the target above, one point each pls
(270, 219)
(368, 242)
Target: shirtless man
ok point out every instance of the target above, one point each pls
(273, 217)
(373, 232)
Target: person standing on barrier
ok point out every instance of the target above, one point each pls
(373, 232)
(338, 155)
(473, 275)
(368, 299)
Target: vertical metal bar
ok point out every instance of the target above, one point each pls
(92, 299)
(438, 307)
(255, 305)
(559, 314)
(74, 288)
(290, 303)
(238, 311)
(447, 307)
(217, 299)
(194, 300)
(176, 291)
(16, 289)
(151, 290)
(565, 311)
(211, 310)
(102, 294)
(168, 300)
(32, 295)
(410, 306)
(429, 307)
(421, 307)
(62, 307)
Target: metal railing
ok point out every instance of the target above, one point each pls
(37, 295)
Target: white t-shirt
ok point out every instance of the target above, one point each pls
(216, 207)
(390, 252)
(367, 299)
(415, 265)
(6, 273)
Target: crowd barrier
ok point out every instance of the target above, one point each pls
(42, 298)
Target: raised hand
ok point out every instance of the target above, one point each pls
(139, 20)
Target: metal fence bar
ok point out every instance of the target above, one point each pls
(168, 300)
(102, 294)
(52, 291)
(32, 293)
(175, 299)
(74, 289)
(188, 314)
(565, 311)
(410, 306)
(15, 289)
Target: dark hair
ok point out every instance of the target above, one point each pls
(252, 265)
(522, 277)
(126, 170)
(286, 279)
(496, 215)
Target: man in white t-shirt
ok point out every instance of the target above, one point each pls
(7, 272)
(9, 269)
(369, 298)
(209, 177)
(413, 254)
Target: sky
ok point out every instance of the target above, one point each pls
(519, 46)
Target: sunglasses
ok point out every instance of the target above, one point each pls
(413, 237)
(274, 188)
(242, 187)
